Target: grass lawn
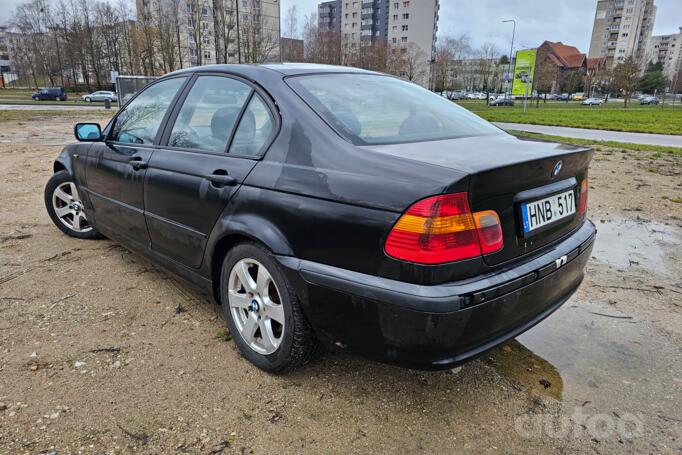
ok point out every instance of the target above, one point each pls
(622, 145)
(28, 115)
(612, 116)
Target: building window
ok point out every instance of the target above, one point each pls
(207, 54)
(204, 11)
(395, 40)
(404, 28)
(406, 16)
(406, 4)
(403, 39)
(395, 17)
(189, 8)
(396, 5)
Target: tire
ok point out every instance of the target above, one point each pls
(72, 222)
(88, 99)
(297, 343)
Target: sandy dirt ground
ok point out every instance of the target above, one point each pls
(95, 357)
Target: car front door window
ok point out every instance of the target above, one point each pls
(140, 121)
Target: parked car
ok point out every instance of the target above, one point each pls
(502, 101)
(563, 97)
(311, 220)
(100, 95)
(649, 100)
(578, 96)
(50, 93)
(592, 102)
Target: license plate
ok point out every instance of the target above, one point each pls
(545, 211)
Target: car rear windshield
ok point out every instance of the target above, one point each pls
(377, 109)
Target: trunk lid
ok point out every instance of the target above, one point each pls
(504, 173)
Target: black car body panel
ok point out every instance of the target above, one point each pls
(325, 207)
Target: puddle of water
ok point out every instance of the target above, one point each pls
(596, 362)
(623, 243)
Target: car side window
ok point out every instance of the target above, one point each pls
(141, 119)
(254, 129)
(209, 114)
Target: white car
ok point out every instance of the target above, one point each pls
(592, 102)
(100, 95)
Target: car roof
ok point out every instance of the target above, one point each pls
(286, 69)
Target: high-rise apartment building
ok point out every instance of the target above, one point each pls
(667, 50)
(406, 26)
(329, 16)
(414, 21)
(363, 22)
(216, 31)
(622, 29)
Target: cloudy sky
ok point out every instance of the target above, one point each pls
(569, 21)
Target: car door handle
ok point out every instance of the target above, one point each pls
(138, 163)
(221, 178)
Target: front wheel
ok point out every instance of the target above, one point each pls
(63, 204)
(262, 311)
(88, 100)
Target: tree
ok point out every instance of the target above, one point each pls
(573, 81)
(653, 80)
(504, 60)
(451, 52)
(320, 46)
(259, 37)
(224, 25)
(291, 22)
(626, 78)
(486, 67)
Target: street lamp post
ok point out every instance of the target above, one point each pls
(511, 53)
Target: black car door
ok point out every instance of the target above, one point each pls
(211, 143)
(116, 168)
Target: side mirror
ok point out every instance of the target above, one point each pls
(87, 132)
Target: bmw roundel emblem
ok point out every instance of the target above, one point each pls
(557, 169)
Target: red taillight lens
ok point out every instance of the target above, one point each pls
(442, 229)
(582, 201)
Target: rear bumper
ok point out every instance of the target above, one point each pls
(437, 327)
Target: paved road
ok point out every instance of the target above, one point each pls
(597, 135)
(49, 107)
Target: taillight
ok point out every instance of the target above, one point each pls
(442, 229)
(489, 231)
(582, 201)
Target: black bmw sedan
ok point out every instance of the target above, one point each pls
(332, 205)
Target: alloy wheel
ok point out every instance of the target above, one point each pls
(255, 306)
(69, 208)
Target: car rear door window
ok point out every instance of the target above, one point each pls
(141, 119)
(255, 128)
(209, 114)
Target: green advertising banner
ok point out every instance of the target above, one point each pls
(524, 70)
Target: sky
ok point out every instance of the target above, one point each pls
(568, 21)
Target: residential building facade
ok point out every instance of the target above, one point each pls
(666, 50)
(329, 16)
(622, 29)
(217, 31)
(6, 72)
(407, 28)
(559, 68)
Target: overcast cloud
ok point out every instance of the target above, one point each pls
(569, 21)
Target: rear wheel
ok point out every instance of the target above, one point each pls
(263, 312)
(65, 208)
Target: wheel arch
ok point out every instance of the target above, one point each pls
(233, 229)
